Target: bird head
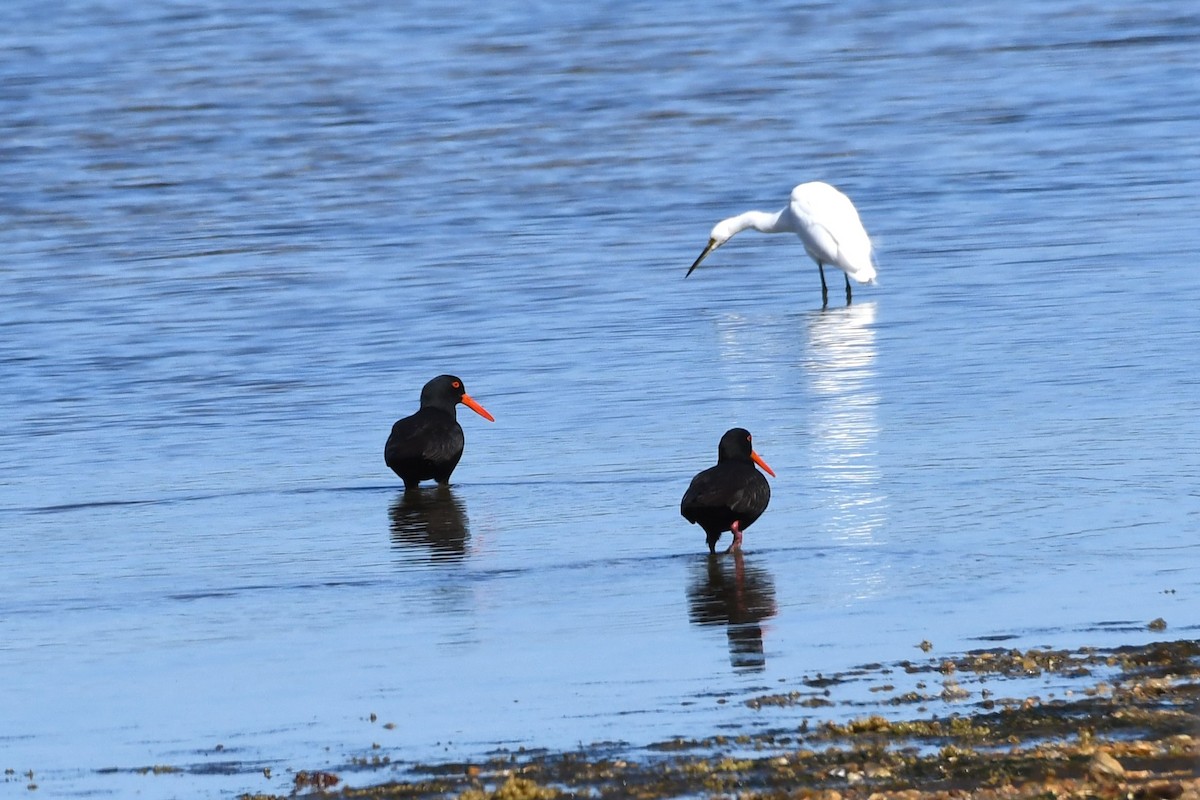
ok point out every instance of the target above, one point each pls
(721, 233)
(446, 391)
(736, 445)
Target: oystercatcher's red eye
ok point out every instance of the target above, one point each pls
(456, 385)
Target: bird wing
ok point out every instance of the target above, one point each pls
(711, 489)
(831, 230)
(425, 435)
(705, 491)
(751, 497)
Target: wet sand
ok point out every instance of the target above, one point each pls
(1120, 723)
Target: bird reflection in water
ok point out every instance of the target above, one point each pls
(725, 590)
(432, 519)
(844, 425)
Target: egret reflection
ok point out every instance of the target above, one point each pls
(844, 425)
(827, 358)
(839, 368)
(725, 590)
(432, 519)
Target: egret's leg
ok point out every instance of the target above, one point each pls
(847, 288)
(824, 288)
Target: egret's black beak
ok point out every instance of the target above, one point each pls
(712, 245)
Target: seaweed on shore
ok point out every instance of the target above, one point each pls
(1133, 736)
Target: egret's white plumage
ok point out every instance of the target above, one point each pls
(826, 222)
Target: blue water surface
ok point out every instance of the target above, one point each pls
(238, 238)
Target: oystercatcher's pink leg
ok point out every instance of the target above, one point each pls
(737, 536)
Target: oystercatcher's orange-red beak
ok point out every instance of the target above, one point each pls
(758, 460)
(470, 403)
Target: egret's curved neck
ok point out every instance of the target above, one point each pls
(761, 221)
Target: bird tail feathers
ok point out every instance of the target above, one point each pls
(863, 273)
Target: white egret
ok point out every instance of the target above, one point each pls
(826, 222)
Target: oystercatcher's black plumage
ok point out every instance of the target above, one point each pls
(429, 444)
(731, 495)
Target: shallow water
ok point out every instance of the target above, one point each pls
(237, 242)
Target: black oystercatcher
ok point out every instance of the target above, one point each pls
(731, 495)
(430, 442)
